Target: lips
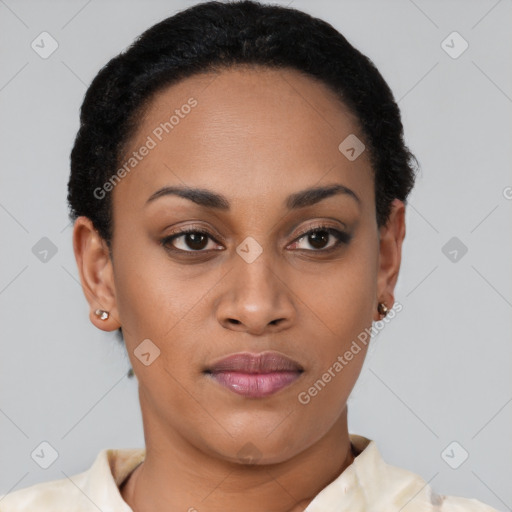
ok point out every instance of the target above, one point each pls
(255, 375)
(245, 362)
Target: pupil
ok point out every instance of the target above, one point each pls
(318, 237)
(196, 240)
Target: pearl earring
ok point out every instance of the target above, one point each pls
(102, 314)
(382, 309)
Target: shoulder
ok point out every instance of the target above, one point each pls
(459, 504)
(416, 492)
(379, 485)
(92, 490)
(55, 496)
(410, 489)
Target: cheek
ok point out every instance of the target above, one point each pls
(342, 298)
(152, 295)
(159, 302)
(340, 314)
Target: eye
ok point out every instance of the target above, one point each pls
(319, 237)
(194, 240)
(188, 241)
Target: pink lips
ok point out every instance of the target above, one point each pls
(255, 375)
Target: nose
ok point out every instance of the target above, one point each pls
(255, 298)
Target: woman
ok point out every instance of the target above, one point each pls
(238, 189)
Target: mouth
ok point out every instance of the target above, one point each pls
(255, 375)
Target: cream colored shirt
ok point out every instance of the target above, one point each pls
(367, 485)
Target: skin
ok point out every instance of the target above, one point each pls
(255, 136)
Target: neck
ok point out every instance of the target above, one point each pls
(177, 477)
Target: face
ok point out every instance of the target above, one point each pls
(266, 266)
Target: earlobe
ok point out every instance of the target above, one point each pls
(96, 274)
(390, 253)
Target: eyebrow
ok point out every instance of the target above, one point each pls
(209, 199)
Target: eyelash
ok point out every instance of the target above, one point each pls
(342, 238)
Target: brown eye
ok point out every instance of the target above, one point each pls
(319, 237)
(196, 241)
(192, 240)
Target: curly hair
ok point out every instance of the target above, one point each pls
(210, 37)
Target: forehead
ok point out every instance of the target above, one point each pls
(253, 129)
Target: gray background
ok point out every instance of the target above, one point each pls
(438, 373)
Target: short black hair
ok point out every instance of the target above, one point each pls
(210, 37)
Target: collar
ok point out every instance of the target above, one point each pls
(367, 484)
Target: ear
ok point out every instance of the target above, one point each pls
(390, 255)
(96, 273)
